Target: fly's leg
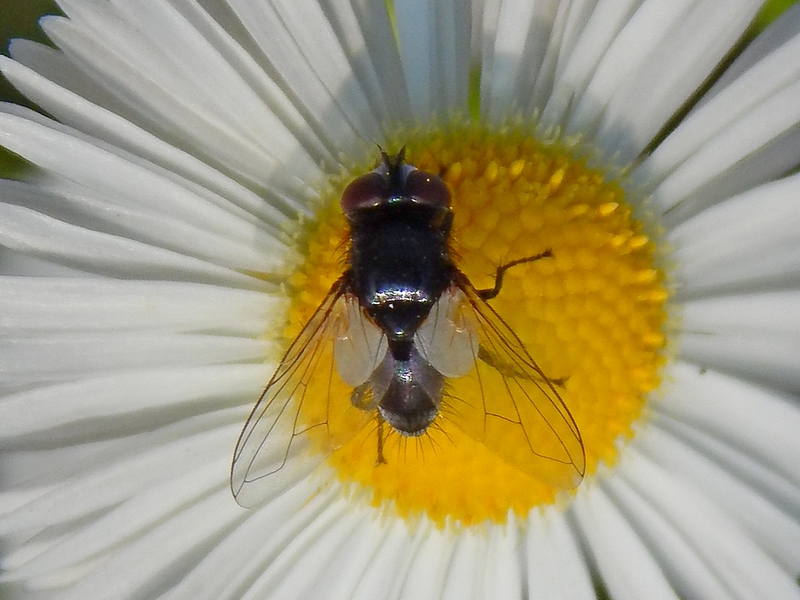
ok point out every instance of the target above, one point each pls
(362, 399)
(380, 460)
(490, 293)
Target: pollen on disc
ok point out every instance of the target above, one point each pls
(593, 316)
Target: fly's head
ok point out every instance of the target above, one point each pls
(395, 184)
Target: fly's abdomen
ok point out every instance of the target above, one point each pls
(410, 393)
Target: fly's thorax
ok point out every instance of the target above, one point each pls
(399, 320)
(400, 264)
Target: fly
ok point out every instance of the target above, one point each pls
(395, 327)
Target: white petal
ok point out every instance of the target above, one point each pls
(691, 575)
(12, 499)
(434, 38)
(161, 554)
(68, 356)
(120, 178)
(365, 32)
(727, 550)
(771, 360)
(130, 519)
(579, 14)
(769, 523)
(745, 135)
(92, 405)
(42, 464)
(520, 45)
(428, 570)
(757, 148)
(730, 100)
(239, 58)
(754, 335)
(742, 244)
(188, 88)
(254, 250)
(104, 486)
(742, 461)
(524, 52)
(14, 263)
(674, 69)
(31, 232)
(390, 563)
(238, 557)
(779, 32)
(650, 26)
(302, 50)
(339, 578)
(626, 563)
(467, 562)
(212, 72)
(768, 513)
(242, 555)
(758, 421)
(591, 28)
(297, 563)
(555, 565)
(109, 124)
(32, 304)
(762, 313)
(48, 584)
(503, 576)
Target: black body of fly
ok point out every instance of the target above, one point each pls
(400, 266)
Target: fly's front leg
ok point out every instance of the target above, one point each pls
(490, 293)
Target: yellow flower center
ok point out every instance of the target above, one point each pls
(592, 316)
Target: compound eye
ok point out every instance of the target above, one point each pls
(425, 188)
(364, 192)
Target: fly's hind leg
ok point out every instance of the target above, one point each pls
(380, 460)
(492, 292)
(363, 399)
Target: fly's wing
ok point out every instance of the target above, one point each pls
(508, 403)
(446, 339)
(360, 345)
(304, 412)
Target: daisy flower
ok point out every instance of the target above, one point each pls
(181, 223)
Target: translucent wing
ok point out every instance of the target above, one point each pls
(360, 345)
(446, 339)
(509, 404)
(305, 411)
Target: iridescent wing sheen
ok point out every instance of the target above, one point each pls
(508, 403)
(305, 411)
